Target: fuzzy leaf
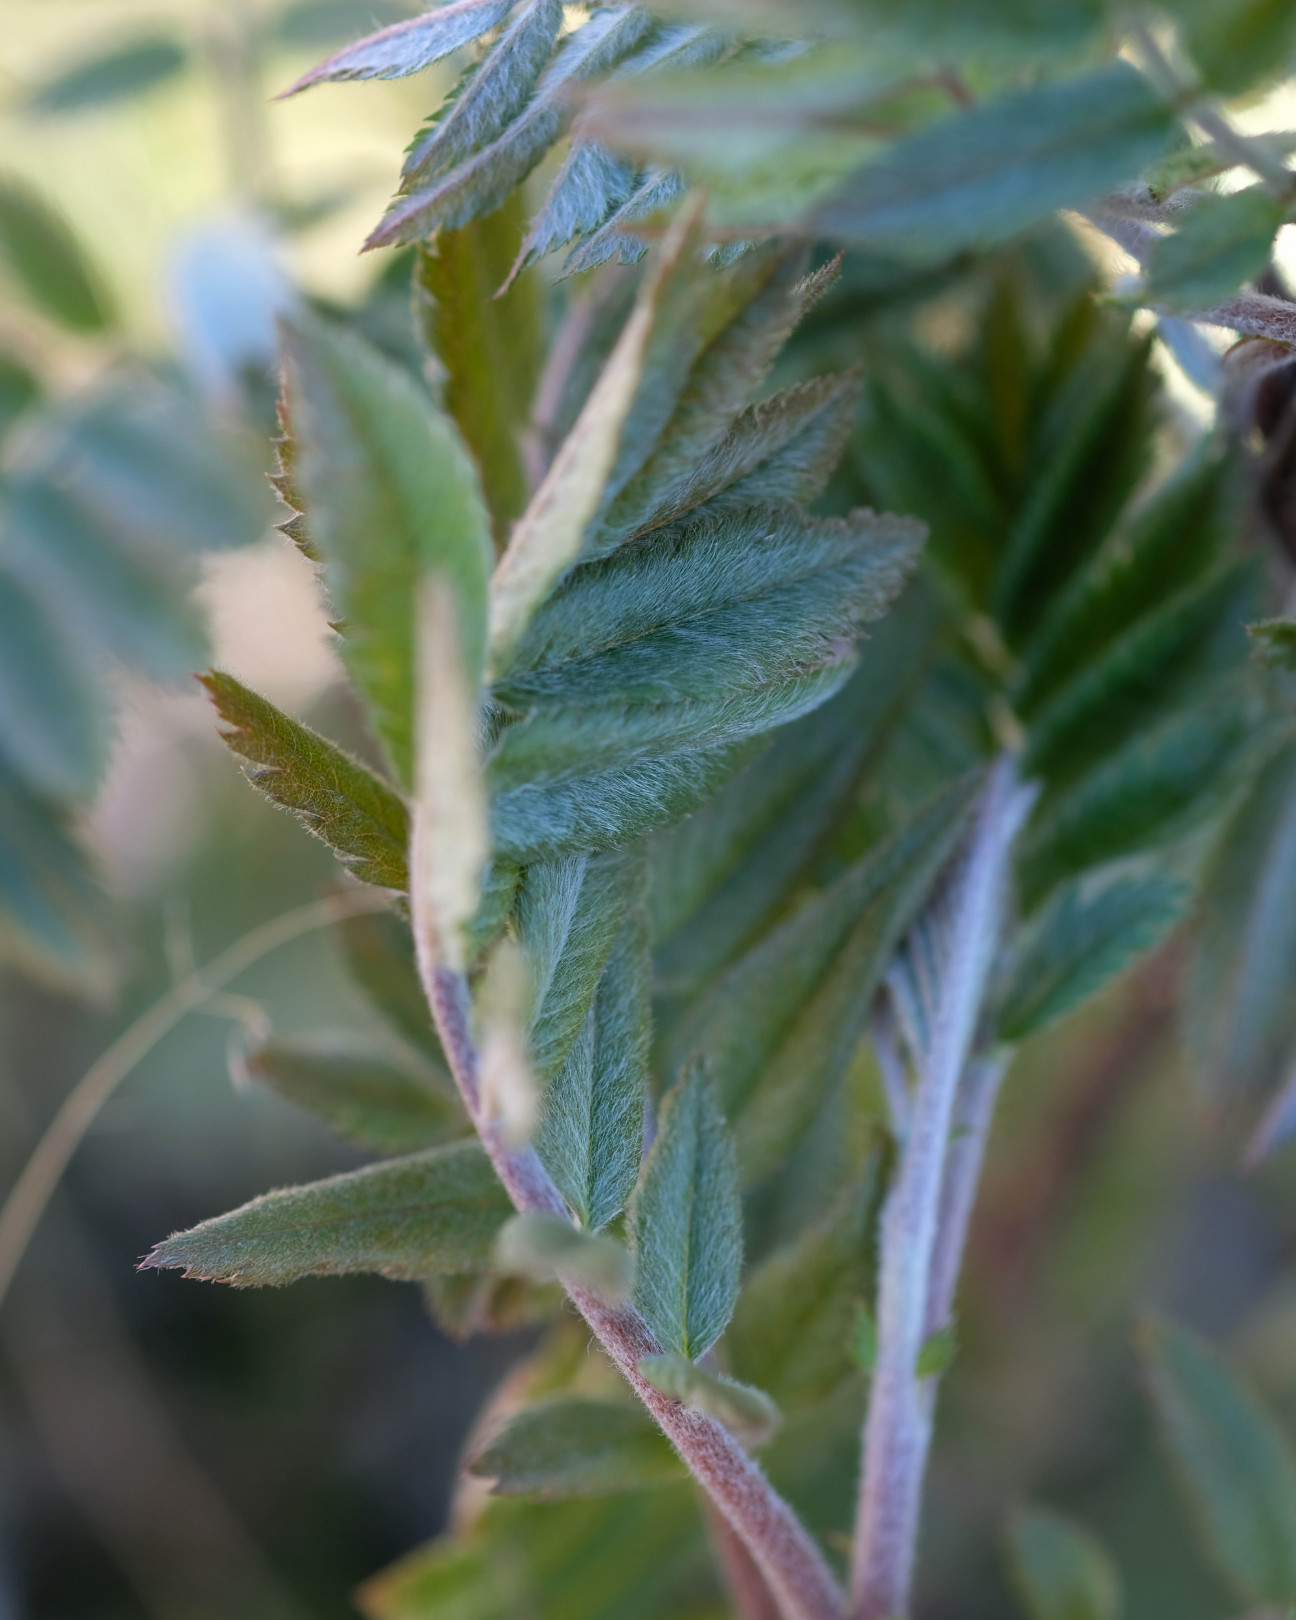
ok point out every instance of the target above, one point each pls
(1060, 1570)
(47, 261)
(686, 1221)
(980, 177)
(569, 913)
(483, 182)
(392, 496)
(408, 47)
(335, 797)
(575, 1447)
(617, 239)
(781, 1025)
(431, 1213)
(1232, 1462)
(551, 532)
(1090, 931)
(1219, 244)
(488, 348)
(543, 1247)
(497, 92)
(363, 1096)
(747, 1411)
(1149, 793)
(791, 1332)
(589, 187)
(591, 1125)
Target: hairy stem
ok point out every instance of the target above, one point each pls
(897, 1431)
(784, 1553)
(747, 1589)
(41, 1174)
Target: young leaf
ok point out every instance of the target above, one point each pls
(487, 346)
(551, 532)
(432, 1213)
(1090, 931)
(392, 496)
(980, 177)
(589, 187)
(1060, 1570)
(591, 1129)
(575, 1447)
(1233, 1463)
(48, 262)
(791, 1332)
(496, 93)
(686, 1222)
(335, 797)
(408, 47)
(749, 1412)
(780, 1026)
(363, 1096)
(1219, 244)
(569, 913)
(543, 1247)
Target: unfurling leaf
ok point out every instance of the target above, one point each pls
(434, 1213)
(543, 1247)
(748, 1411)
(686, 1222)
(576, 1447)
(1060, 1570)
(363, 1095)
(391, 497)
(1232, 1461)
(358, 815)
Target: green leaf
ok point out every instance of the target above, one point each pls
(122, 73)
(379, 953)
(1220, 244)
(487, 346)
(466, 1305)
(1232, 1462)
(53, 713)
(409, 47)
(392, 497)
(576, 1447)
(1090, 931)
(1240, 1025)
(363, 1095)
(781, 1025)
(361, 819)
(720, 874)
(19, 390)
(47, 261)
(1151, 792)
(569, 913)
(434, 1213)
(686, 1222)
(937, 1353)
(542, 1247)
(1273, 643)
(747, 1411)
(591, 1123)
(978, 178)
(482, 183)
(792, 1329)
(1059, 1569)
(495, 92)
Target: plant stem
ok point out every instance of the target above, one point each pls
(897, 1431)
(784, 1553)
(746, 1586)
(41, 1174)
